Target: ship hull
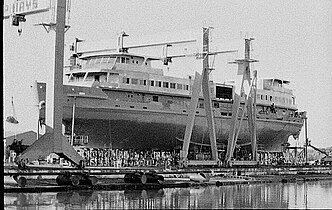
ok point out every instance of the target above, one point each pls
(127, 128)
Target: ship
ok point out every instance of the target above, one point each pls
(118, 99)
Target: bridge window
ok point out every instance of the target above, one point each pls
(172, 85)
(98, 60)
(186, 87)
(104, 59)
(126, 80)
(179, 86)
(271, 97)
(151, 83)
(142, 82)
(134, 81)
(165, 84)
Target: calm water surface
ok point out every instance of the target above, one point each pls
(275, 195)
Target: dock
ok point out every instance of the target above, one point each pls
(109, 178)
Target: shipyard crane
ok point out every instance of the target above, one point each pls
(53, 141)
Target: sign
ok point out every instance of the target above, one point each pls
(24, 7)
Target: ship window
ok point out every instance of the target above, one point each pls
(142, 82)
(224, 92)
(159, 83)
(117, 105)
(134, 81)
(132, 107)
(265, 97)
(165, 84)
(201, 105)
(186, 87)
(104, 59)
(144, 107)
(136, 62)
(126, 80)
(223, 113)
(262, 97)
(179, 86)
(118, 59)
(151, 83)
(293, 100)
(123, 60)
(98, 60)
(172, 85)
(97, 78)
(216, 105)
(133, 61)
(146, 63)
(155, 98)
(271, 98)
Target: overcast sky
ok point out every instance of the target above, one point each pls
(293, 41)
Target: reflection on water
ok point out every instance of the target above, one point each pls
(274, 195)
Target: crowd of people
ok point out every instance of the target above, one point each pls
(128, 158)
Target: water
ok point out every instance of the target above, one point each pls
(273, 195)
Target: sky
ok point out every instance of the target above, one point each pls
(293, 41)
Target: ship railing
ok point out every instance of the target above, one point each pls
(278, 115)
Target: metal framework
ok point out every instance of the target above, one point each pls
(250, 106)
(201, 81)
(54, 141)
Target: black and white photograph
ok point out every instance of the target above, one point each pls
(177, 104)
